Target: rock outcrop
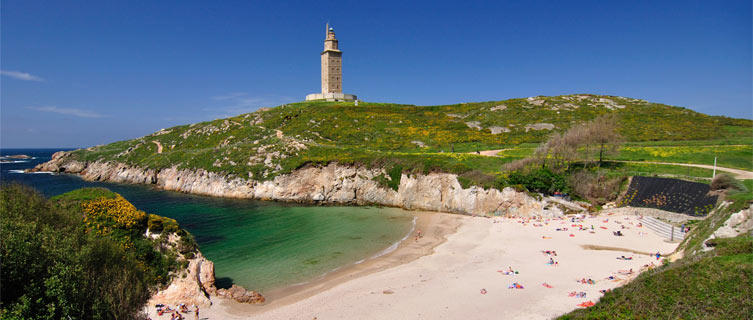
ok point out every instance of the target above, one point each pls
(737, 224)
(195, 286)
(241, 295)
(332, 184)
(192, 286)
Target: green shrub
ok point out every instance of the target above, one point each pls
(541, 180)
(50, 267)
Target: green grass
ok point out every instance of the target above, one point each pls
(85, 194)
(650, 169)
(730, 156)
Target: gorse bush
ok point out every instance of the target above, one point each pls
(114, 212)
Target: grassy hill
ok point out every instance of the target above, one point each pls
(273, 141)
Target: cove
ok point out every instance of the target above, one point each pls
(256, 244)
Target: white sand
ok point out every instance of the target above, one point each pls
(447, 283)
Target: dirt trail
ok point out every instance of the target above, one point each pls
(739, 174)
(159, 146)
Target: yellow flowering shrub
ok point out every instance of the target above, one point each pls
(104, 214)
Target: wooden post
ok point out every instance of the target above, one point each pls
(672, 236)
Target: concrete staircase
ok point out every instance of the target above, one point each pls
(663, 229)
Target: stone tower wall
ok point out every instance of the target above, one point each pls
(332, 72)
(331, 65)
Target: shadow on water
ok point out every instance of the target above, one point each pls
(223, 282)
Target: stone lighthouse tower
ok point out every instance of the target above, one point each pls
(332, 74)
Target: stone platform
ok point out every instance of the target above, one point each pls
(331, 97)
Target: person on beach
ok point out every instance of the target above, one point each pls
(658, 255)
(196, 312)
(419, 233)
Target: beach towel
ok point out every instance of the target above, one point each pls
(586, 304)
(605, 228)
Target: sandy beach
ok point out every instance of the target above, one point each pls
(463, 277)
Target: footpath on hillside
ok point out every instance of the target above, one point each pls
(739, 174)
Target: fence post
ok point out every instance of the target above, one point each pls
(672, 236)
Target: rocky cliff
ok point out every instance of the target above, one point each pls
(194, 285)
(331, 184)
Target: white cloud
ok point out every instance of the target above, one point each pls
(69, 111)
(20, 75)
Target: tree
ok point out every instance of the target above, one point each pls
(597, 138)
(602, 134)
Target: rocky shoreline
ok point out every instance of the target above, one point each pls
(330, 184)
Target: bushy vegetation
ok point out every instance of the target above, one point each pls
(726, 181)
(597, 186)
(541, 180)
(81, 254)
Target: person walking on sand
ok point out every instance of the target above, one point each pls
(419, 233)
(658, 255)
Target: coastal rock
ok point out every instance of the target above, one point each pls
(241, 295)
(195, 286)
(18, 156)
(186, 287)
(737, 224)
(331, 184)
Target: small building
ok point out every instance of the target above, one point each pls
(332, 89)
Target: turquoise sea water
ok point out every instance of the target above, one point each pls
(256, 244)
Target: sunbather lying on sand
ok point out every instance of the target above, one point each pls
(549, 252)
(625, 258)
(626, 272)
(509, 271)
(586, 304)
(515, 285)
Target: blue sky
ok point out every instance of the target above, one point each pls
(82, 73)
